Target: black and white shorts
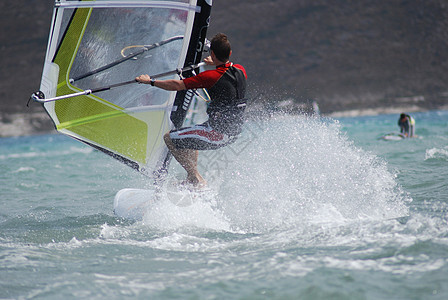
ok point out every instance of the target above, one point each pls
(200, 137)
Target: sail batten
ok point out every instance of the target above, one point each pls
(132, 55)
(85, 53)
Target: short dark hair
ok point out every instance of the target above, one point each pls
(220, 45)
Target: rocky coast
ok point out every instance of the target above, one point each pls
(350, 57)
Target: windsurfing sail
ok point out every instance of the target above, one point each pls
(96, 44)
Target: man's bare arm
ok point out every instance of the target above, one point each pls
(169, 84)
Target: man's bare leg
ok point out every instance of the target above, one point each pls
(188, 159)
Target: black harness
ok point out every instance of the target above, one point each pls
(226, 111)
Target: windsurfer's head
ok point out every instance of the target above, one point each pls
(220, 46)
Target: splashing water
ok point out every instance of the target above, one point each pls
(437, 153)
(298, 210)
(293, 170)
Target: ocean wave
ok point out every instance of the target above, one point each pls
(45, 153)
(437, 154)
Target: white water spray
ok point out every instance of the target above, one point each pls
(301, 169)
(284, 172)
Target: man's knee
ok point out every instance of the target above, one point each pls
(167, 137)
(168, 142)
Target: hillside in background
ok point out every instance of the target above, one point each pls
(344, 54)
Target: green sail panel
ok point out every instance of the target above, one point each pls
(87, 116)
(96, 44)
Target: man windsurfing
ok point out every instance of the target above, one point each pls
(407, 125)
(226, 85)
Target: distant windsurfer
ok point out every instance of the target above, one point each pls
(407, 125)
(226, 86)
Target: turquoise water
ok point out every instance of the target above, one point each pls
(305, 209)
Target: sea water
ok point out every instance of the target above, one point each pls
(303, 208)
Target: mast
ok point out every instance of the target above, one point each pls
(84, 63)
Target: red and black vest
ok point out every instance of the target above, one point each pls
(226, 86)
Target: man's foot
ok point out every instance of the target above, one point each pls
(196, 182)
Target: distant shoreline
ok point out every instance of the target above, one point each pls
(25, 124)
(381, 111)
(36, 123)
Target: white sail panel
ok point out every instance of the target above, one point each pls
(92, 46)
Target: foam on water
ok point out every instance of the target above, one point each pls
(437, 153)
(302, 170)
(296, 170)
(299, 212)
(201, 214)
